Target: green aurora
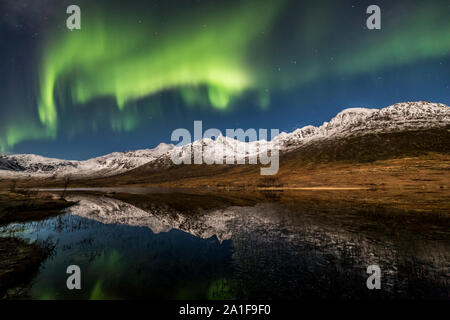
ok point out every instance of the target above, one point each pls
(127, 60)
(211, 56)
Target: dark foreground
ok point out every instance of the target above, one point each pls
(23, 206)
(19, 262)
(19, 259)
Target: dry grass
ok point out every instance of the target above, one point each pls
(419, 184)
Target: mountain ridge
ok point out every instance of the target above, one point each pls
(414, 117)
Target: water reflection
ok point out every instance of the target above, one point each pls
(267, 250)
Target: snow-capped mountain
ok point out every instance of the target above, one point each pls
(349, 122)
(404, 116)
(111, 164)
(407, 116)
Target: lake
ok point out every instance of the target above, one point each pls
(145, 249)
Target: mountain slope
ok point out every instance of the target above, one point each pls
(407, 116)
(111, 164)
(355, 134)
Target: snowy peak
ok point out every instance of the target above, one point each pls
(35, 163)
(107, 165)
(404, 116)
(349, 117)
(349, 122)
(359, 121)
(119, 162)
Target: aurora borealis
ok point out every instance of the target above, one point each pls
(124, 60)
(139, 69)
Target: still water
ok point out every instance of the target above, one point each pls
(265, 251)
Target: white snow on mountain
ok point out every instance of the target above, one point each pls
(349, 122)
(111, 164)
(359, 121)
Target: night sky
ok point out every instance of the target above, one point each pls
(137, 70)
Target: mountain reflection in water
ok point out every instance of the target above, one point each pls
(264, 250)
